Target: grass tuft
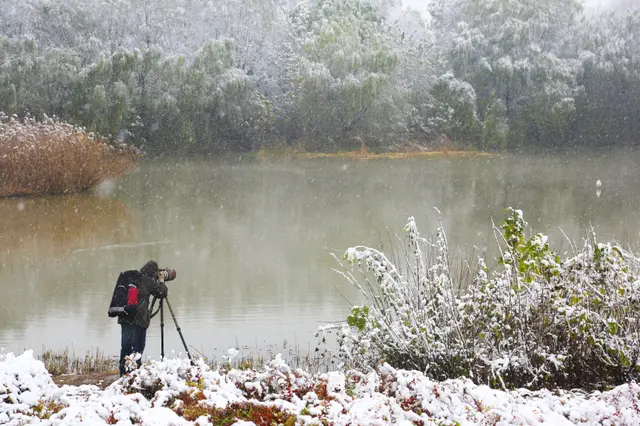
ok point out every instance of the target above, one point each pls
(68, 362)
(58, 363)
(52, 157)
(47, 408)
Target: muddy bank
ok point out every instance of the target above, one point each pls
(102, 380)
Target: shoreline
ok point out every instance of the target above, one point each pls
(101, 380)
(23, 190)
(97, 363)
(360, 155)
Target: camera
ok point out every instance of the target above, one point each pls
(166, 274)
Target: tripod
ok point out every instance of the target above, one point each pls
(161, 310)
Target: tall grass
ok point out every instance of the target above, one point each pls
(52, 157)
(296, 357)
(66, 362)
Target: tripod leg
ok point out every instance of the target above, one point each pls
(161, 330)
(179, 330)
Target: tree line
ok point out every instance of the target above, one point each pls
(202, 76)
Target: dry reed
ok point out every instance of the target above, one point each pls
(66, 362)
(52, 157)
(97, 361)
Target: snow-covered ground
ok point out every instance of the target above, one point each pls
(173, 392)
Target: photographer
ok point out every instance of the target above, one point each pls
(150, 282)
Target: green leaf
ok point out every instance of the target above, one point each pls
(358, 317)
(624, 360)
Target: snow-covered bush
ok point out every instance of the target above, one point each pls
(537, 321)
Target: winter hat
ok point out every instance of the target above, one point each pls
(150, 268)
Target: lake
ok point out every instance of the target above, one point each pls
(251, 238)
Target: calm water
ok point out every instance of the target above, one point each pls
(251, 239)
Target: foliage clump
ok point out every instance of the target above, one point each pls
(537, 321)
(52, 157)
(45, 409)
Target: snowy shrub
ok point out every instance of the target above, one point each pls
(537, 321)
(52, 157)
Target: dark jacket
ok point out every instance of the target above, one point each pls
(148, 286)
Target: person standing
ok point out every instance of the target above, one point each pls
(149, 282)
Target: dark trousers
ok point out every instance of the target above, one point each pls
(134, 338)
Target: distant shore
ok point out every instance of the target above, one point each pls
(360, 155)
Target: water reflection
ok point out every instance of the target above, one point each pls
(55, 225)
(38, 267)
(251, 239)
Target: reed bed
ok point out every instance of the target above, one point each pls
(67, 362)
(53, 157)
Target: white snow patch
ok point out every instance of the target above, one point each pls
(388, 396)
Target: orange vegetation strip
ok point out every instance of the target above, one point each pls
(387, 155)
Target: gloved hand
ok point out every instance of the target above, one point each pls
(131, 310)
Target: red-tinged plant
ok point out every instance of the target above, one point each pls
(111, 420)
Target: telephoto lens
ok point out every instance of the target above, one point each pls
(166, 274)
(171, 274)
